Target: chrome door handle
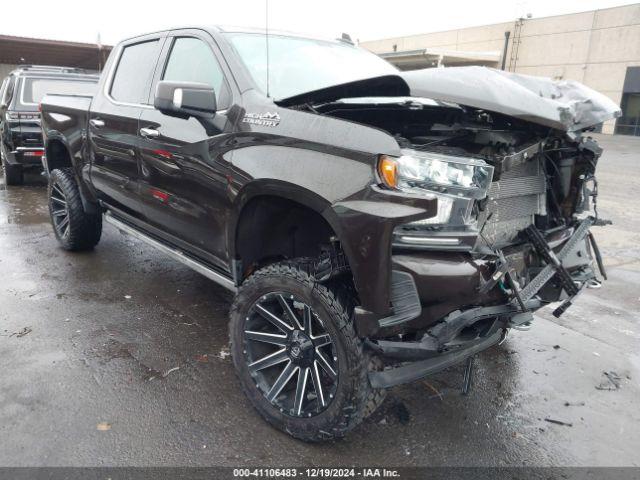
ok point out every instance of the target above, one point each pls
(95, 122)
(149, 133)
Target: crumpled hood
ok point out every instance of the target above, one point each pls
(565, 105)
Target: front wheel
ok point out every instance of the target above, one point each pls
(297, 355)
(74, 228)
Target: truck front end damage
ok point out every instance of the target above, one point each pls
(515, 238)
(515, 188)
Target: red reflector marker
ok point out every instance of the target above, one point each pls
(34, 153)
(159, 195)
(163, 153)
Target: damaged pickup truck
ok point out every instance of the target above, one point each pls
(376, 226)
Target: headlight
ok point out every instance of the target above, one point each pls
(454, 181)
(420, 172)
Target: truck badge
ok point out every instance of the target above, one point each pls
(262, 119)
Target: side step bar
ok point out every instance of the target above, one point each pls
(172, 252)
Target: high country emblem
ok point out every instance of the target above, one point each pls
(263, 119)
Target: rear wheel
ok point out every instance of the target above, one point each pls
(297, 355)
(13, 174)
(74, 228)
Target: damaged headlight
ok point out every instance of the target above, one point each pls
(454, 181)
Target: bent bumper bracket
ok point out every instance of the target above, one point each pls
(417, 370)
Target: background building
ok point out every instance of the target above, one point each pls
(20, 50)
(600, 48)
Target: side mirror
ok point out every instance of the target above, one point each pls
(185, 99)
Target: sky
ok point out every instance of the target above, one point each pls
(83, 21)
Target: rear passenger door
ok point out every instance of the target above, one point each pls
(184, 165)
(113, 124)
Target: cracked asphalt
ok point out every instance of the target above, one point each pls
(119, 357)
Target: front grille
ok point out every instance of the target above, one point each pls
(514, 200)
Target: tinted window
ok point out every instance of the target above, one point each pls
(8, 91)
(191, 60)
(33, 89)
(133, 75)
(4, 85)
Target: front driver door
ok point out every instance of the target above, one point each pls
(184, 162)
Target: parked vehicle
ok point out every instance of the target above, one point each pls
(21, 147)
(376, 226)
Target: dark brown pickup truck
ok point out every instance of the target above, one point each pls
(376, 226)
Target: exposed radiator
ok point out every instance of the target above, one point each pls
(514, 200)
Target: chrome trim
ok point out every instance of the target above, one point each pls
(173, 253)
(149, 132)
(430, 240)
(28, 149)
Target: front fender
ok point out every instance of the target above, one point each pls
(342, 189)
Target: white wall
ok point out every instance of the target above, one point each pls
(593, 47)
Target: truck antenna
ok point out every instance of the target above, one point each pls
(266, 21)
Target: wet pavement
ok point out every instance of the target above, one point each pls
(119, 357)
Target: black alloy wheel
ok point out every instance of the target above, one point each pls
(296, 352)
(290, 355)
(59, 211)
(74, 227)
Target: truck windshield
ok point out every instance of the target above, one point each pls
(33, 89)
(299, 65)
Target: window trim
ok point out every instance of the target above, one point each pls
(112, 72)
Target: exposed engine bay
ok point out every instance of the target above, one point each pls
(539, 175)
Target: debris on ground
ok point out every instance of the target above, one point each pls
(576, 404)
(103, 426)
(202, 358)
(224, 353)
(22, 333)
(611, 381)
(169, 371)
(434, 390)
(558, 422)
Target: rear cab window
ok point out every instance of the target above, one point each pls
(33, 89)
(133, 73)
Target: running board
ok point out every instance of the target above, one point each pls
(172, 252)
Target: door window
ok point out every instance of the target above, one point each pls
(192, 60)
(132, 79)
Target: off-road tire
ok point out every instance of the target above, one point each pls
(84, 229)
(377, 395)
(13, 174)
(354, 397)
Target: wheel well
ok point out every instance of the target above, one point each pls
(57, 155)
(272, 228)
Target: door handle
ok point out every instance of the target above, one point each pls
(149, 133)
(96, 122)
